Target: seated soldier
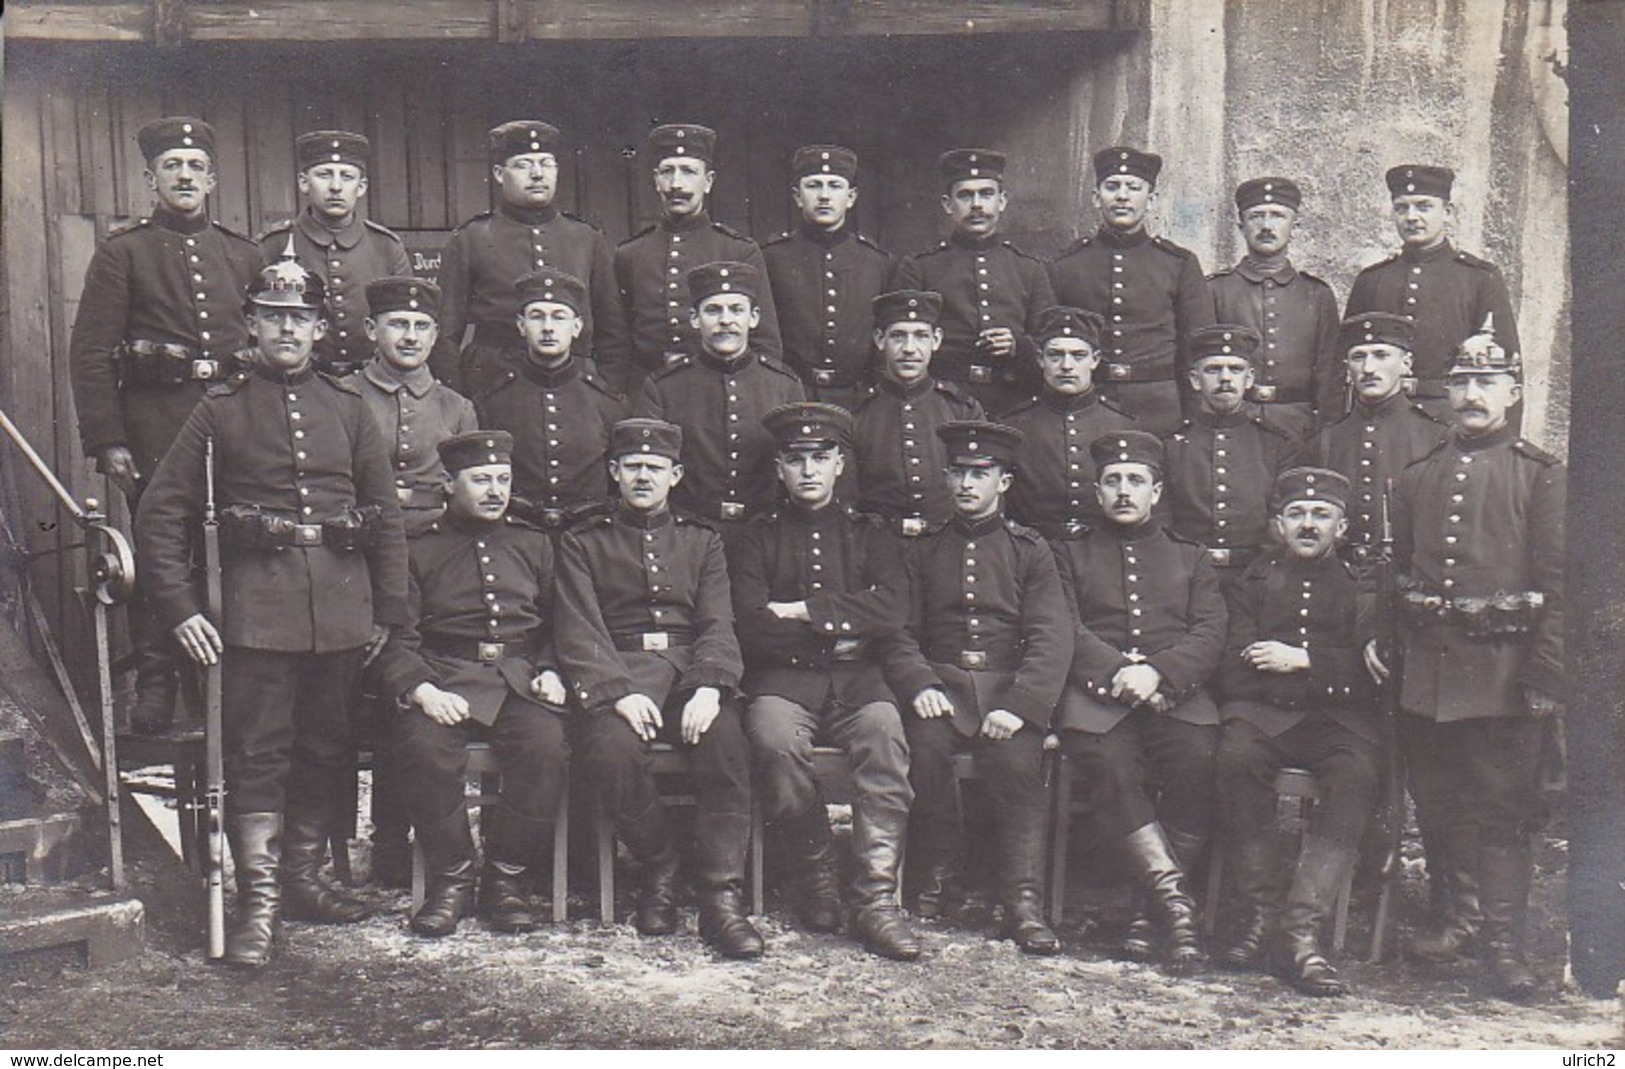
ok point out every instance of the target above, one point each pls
(819, 595)
(1136, 716)
(988, 645)
(1296, 694)
(647, 642)
(476, 663)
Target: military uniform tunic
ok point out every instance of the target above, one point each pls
(824, 284)
(1153, 296)
(414, 417)
(1298, 363)
(560, 419)
(728, 456)
(1054, 490)
(478, 269)
(1220, 471)
(651, 269)
(985, 283)
(1372, 445)
(165, 279)
(346, 259)
(1447, 294)
(900, 459)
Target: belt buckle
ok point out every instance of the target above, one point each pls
(731, 510)
(981, 373)
(552, 517)
(1265, 394)
(973, 659)
(1220, 557)
(489, 652)
(654, 641)
(1075, 526)
(1120, 372)
(670, 357)
(823, 378)
(307, 534)
(912, 526)
(205, 369)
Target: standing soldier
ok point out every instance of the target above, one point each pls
(1136, 715)
(160, 320)
(476, 662)
(992, 292)
(1294, 312)
(526, 233)
(825, 277)
(894, 438)
(645, 636)
(1150, 291)
(1478, 527)
(819, 597)
(718, 395)
(651, 265)
(1223, 461)
(558, 409)
(332, 240)
(1446, 293)
(314, 576)
(1056, 491)
(1295, 695)
(984, 665)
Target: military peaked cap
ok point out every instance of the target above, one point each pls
(331, 146)
(559, 287)
(402, 293)
(176, 131)
(475, 448)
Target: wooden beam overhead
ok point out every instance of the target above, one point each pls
(175, 22)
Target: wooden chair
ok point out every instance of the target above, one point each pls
(485, 769)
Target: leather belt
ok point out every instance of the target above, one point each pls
(979, 373)
(912, 526)
(824, 376)
(1149, 371)
(999, 660)
(469, 649)
(420, 498)
(651, 641)
(1230, 556)
(1278, 395)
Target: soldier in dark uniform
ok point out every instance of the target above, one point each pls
(984, 665)
(645, 637)
(526, 233)
(476, 662)
(1224, 459)
(1447, 294)
(159, 320)
(992, 292)
(651, 265)
(1056, 491)
(314, 576)
(1294, 313)
(819, 596)
(894, 437)
(1136, 715)
(825, 277)
(1478, 527)
(332, 240)
(1296, 695)
(718, 395)
(558, 407)
(1150, 291)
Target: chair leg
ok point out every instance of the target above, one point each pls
(758, 837)
(606, 865)
(1060, 841)
(419, 880)
(561, 856)
(1340, 922)
(1215, 877)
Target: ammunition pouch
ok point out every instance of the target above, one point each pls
(256, 527)
(1487, 616)
(152, 363)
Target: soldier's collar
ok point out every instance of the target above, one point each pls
(1477, 443)
(285, 378)
(684, 223)
(1383, 409)
(528, 216)
(381, 374)
(543, 375)
(918, 388)
(1255, 270)
(1135, 533)
(472, 524)
(346, 237)
(1210, 419)
(978, 528)
(820, 517)
(1442, 251)
(823, 236)
(1117, 239)
(972, 241)
(1075, 402)
(727, 367)
(641, 519)
(180, 224)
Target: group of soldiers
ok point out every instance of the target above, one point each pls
(579, 502)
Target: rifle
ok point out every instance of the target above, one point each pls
(1393, 799)
(214, 760)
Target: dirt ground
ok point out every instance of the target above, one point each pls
(583, 985)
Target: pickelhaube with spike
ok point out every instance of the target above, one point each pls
(288, 284)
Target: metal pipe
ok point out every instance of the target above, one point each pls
(42, 468)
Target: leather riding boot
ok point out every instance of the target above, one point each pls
(1322, 867)
(1456, 932)
(1505, 873)
(309, 896)
(649, 839)
(1163, 883)
(515, 841)
(721, 841)
(877, 840)
(942, 865)
(1022, 844)
(448, 853)
(256, 850)
(1253, 862)
(820, 897)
